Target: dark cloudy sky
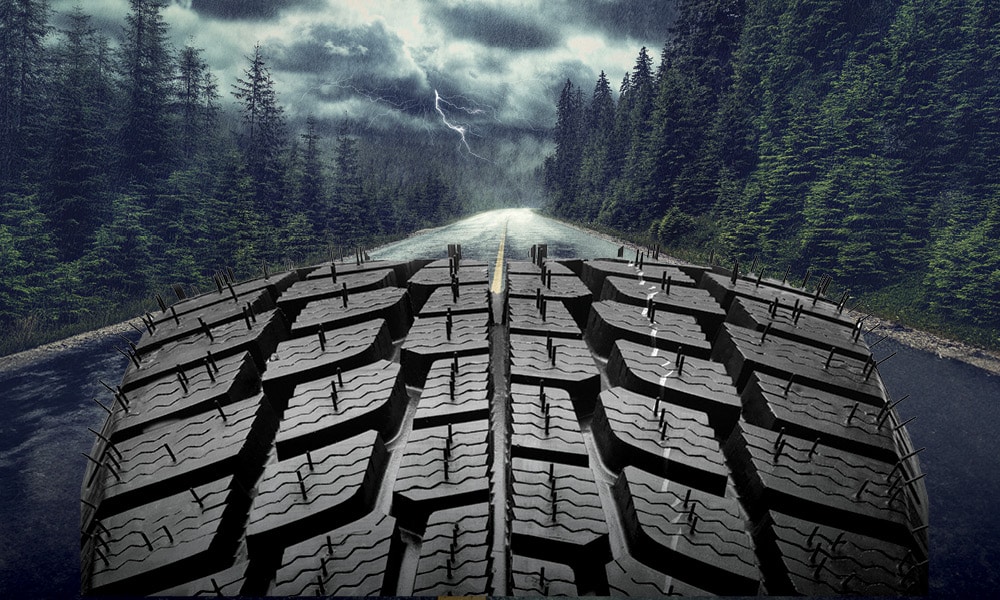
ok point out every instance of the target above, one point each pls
(378, 63)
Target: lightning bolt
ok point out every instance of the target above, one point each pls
(456, 128)
(384, 105)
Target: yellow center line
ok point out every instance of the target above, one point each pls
(498, 269)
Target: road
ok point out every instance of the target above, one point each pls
(481, 234)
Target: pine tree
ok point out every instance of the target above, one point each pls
(595, 173)
(77, 198)
(15, 294)
(197, 102)
(147, 70)
(625, 207)
(705, 37)
(263, 130)
(119, 259)
(348, 218)
(562, 172)
(27, 260)
(247, 238)
(642, 92)
(23, 28)
(313, 199)
(964, 268)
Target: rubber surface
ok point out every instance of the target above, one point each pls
(600, 427)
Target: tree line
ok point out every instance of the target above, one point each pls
(859, 138)
(126, 166)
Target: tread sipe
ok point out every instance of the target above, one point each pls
(605, 427)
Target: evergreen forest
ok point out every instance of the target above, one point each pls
(856, 138)
(126, 166)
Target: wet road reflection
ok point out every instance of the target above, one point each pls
(480, 236)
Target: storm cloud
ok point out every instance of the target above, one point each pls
(255, 10)
(494, 26)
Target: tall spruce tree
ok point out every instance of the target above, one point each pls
(77, 195)
(147, 72)
(561, 174)
(197, 102)
(348, 218)
(595, 172)
(263, 136)
(23, 28)
(313, 200)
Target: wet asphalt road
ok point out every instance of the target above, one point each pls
(480, 237)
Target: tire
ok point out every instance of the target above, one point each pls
(602, 427)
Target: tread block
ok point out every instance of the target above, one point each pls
(428, 342)
(178, 455)
(802, 558)
(229, 339)
(402, 270)
(471, 274)
(390, 304)
(227, 582)
(441, 471)
(166, 398)
(318, 491)
(700, 385)
(170, 330)
(246, 291)
(561, 441)
(595, 272)
(371, 397)
(356, 559)
(562, 288)
(629, 577)
(471, 299)
(573, 370)
(526, 267)
(455, 555)
(812, 414)
(682, 531)
(556, 514)
(807, 329)
(536, 577)
(303, 292)
(743, 352)
(722, 289)
(299, 360)
(146, 548)
(668, 441)
(472, 383)
(834, 488)
(611, 321)
(525, 318)
(677, 299)
(570, 290)
(446, 263)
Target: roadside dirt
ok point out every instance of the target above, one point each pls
(988, 360)
(12, 362)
